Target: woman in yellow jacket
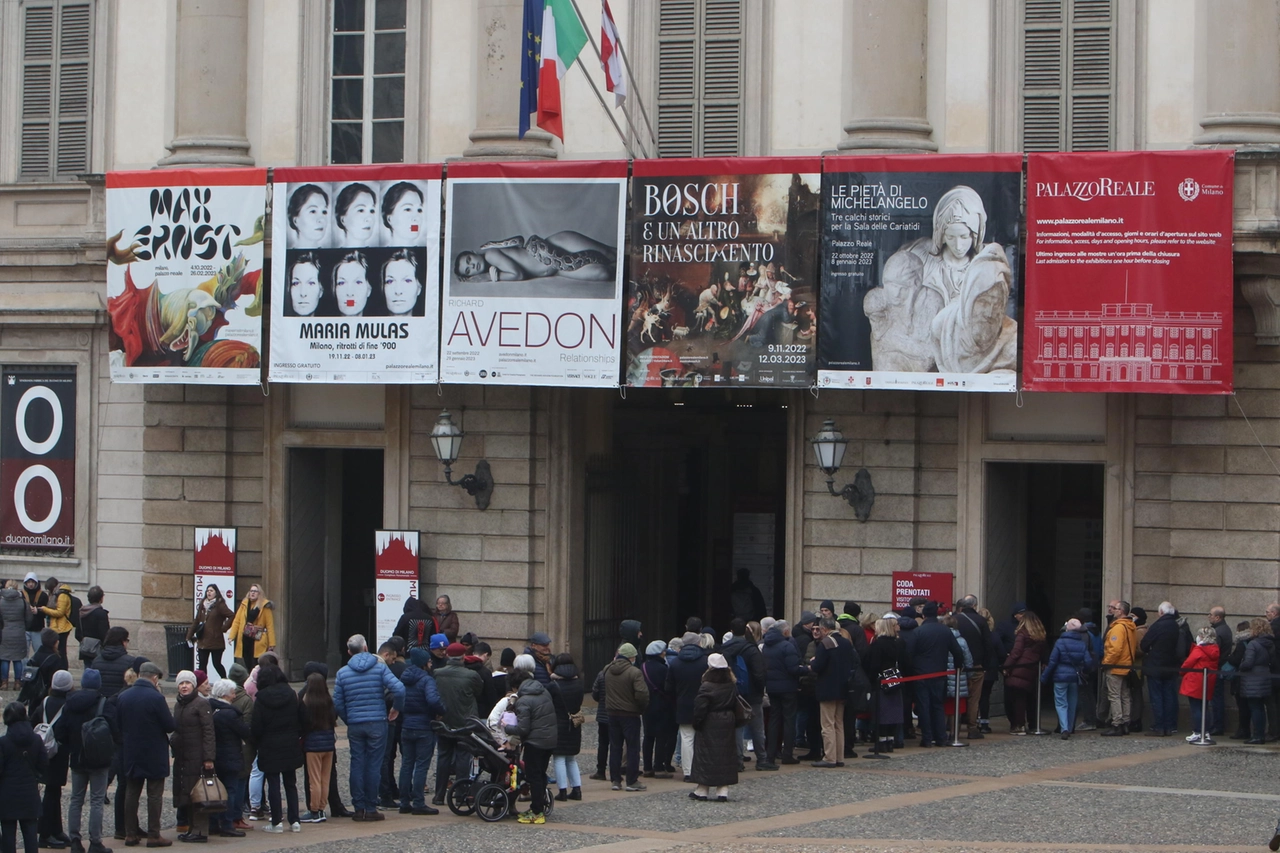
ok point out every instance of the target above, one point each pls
(60, 613)
(253, 630)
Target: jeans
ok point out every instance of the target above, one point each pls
(782, 725)
(236, 790)
(416, 749)
(290, 792)
(388, 781)
(686, 748)
(1164, 703)
(1066, 695)
(96, 781)
(624, 730)
(33, 638)
(29, 843)
(759, 743)
(256, 780)
(368, 742)
(1257, 716)
(930, 694)
(1196, 718)
(19, 667)
(568, 776)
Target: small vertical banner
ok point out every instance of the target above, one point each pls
(395, 567)
(38, 458)
(215, 565)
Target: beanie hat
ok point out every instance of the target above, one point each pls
(313, 667)
(657, 647)
(807, 618)
(186, 676)
(507, 657)
(201, 678)
(439, 641)
(1072, 625)
(853, 608)
(150, 668)
(626, 650)
(455, 650)
(690, 638)
(1019, 607)
(827, 605)
(62, 680)
(240, 675)
(419, 656)
(717, 661)
(930, 610)
(91, 679)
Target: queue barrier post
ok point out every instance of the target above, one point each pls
(955, 739)
(1039, 696)
(1202, 737)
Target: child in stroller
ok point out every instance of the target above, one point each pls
(494, 797)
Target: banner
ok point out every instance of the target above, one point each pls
(1129, 272)
(724, 262)
(395, 569)
(183, 275)
(355, 297)
(919, 272)
(934, 586)
(533, 274)
(38, 458)
(215, 565)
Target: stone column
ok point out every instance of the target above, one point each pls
(1242, 75)
(210, 91)
(885, 46)
(499, 40)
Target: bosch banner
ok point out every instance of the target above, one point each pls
(1129, 272)
(38, 458)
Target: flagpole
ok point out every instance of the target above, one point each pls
(634, 86)
(608, 112)
(625, 114)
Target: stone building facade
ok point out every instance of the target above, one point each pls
(1065, 499)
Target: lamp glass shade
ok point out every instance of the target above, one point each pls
(829, 447)
(447, 439)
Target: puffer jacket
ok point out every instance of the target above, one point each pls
(60, 613)
(13, 614)
(81, 706)
(684, 677)
(460, 689)
(229, 732)
(951, 664)
(422, 702)
(193, 743)
(1120, 646)
(1201, 657)
(360, 690)
(23, 760)
(535, 717)
(782, 664)
(277, 729)
(1071, 657)
(1020, 666)
(597, 693)
(625, 693)
(756, 665)
(1255, 669)
(112, 662)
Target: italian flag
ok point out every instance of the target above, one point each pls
(562, 40)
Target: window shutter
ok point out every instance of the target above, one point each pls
(1067, 75)
(56, 90)
(722, 78)
(677, 77)
(699, 77)
(37, 93)
(73, 91)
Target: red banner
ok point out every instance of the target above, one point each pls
(1129, 272)
(38, 463)
(934, 586)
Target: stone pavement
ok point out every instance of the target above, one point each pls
(1003, 793)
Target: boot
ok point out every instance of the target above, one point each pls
(98, 847)
(155, 839)
(562, 795)
(575, 794)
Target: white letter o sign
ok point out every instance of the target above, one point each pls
(38, 448)
(20, 495)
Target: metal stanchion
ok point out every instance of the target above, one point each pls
(1039, 697)
(875, 723)
(955, 740)
(1203, 738)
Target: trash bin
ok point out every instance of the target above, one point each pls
(181, 656)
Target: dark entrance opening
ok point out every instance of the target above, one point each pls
(1044, 539)
(334, 507)
(692, 490)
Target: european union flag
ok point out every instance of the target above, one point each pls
(530, 61)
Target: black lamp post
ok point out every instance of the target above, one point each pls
(446, 438)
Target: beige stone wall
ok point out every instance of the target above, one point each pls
(907, 441)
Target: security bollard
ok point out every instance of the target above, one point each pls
(1039, 697)
(1202, 737)
(955, 740)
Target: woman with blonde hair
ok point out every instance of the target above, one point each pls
(1020, 676)
(253, 629)
(884, 658)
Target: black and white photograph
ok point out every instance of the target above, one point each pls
(383, 282)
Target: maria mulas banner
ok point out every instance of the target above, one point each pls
(919, 272)
(183, 275)
(724, 262)
(533, 273)
(356, 298)
(1129, 272)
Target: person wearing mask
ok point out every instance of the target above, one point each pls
(50, 711)
(13, 633)
(208, 629)
(253, 628)
(194, 747)
(359, 698)
(568, 681)
(58, 609)
(36, 598)
(277, 731)
(446, 619)
(716, 717)
(1020, 681)
(145, 725)
(460, 690)
(422, 704)
(87, 772)
(230, 731)
(22, 762)
(95, 622)
(659, 717)
(684, 678)
(538, 731)
(1070, 663)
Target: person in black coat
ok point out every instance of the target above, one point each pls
(568, 682)
(114, 659)
(684, 678)
(277, 731)
(659, 715)
(230, 731)
(782, 683)
(95, 622)
(742, 645)
(48, 711)
(833, 662)
(933, 642)
(715, 721)
(145, 725)
(82, 706)
(1160, 664)
(974, 631)
(22, 763)
(884, 655)
(46, 661)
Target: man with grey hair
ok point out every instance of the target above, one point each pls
(359, 697)
(1160, 666)
(977, 634)
(1225, 641)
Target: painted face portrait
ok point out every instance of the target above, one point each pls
(309, 216)
(358, 220)
(305, 289)
(351, 288)
(400, 286)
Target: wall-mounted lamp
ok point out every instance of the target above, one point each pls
(829, 447)
(446, 438)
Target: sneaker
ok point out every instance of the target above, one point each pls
(258, 814)
(1085, 727)
(530, 817)
(310, 817)
(766, 765)
(616, 786)
(599, 776)
(635, 786)
(295, 827)
(273, 827)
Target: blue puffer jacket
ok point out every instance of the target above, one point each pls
(422, 700)
(1070, 657)
(782, 659)
(684, 677)
(359, 692)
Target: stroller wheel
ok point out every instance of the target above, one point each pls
(491, 802)
(460, 800)
(549, 801)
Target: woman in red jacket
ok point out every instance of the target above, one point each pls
(1020, 675)
(1204, 655)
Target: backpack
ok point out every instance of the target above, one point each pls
(44, 731)
(1185, 642)
(97, 747)
(419, 634)
(743, 675)
(74, 615)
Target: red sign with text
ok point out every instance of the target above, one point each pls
(934, 586)
(1129, 272)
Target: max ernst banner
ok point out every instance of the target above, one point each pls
(183, 275)
(724, 262)
(355, 286)
(919, 272)
(1129, 272)
(533, 273)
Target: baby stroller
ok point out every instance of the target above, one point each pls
(494, 797)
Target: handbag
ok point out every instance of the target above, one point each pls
(742, 711)
(209, 793)
(253, 632)
(89, 648)
(198, 631)
(890, 673)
